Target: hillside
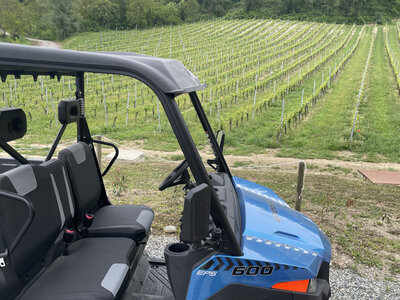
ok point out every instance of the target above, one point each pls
(56, 20)
(271, 84)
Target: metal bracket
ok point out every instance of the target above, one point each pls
(2, 258)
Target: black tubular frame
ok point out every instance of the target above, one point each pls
(113, 159)
(12, 152)
(222, 165)
(28, 222)
(83, 133)
(229, 244)
(55, 143)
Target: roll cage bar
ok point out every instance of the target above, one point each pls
(167, 78)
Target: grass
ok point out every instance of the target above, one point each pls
(326, 131)
(361, 219)
(380, 112)
(260, 133)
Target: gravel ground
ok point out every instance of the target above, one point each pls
(345, 284)
(156, 244)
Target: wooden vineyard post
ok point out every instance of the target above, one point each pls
(54, 107)
(105, 109)
(5, 98)
(134, 106)
(329, 79)
(127, 110)
(283, 110)
(69, 87)
(47, 103)
(210, 101)
(300, 184)
(314, 88)
(159, 117)
(273, 99)
(255, 97)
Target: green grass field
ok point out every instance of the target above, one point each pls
(358, 216)
(250, 67)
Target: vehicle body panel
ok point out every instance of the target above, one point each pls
(273, 235)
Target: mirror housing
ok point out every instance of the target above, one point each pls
(69, 111)
(196, 214)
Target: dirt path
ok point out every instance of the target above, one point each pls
(271, 160)
(45, 44)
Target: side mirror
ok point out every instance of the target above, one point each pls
(196, 214)
(221, 139)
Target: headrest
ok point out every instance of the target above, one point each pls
(68, 111)
(12, 123)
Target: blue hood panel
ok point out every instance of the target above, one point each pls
(274, 236)
(274, 232)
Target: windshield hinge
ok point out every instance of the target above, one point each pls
(213, 163)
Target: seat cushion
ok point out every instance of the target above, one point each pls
(93, 268)
(131, 221)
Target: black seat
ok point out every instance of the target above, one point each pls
(132, 221)
(88, 268)
(92, 269)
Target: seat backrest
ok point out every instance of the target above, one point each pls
(84, 176)
(48, 188)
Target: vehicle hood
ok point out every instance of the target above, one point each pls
(274, 232)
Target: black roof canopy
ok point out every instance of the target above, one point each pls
(169, 75)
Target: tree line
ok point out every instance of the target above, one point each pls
(55, 19)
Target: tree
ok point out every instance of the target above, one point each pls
(104, 14)
(14, 18)
(149, 13)
(140, 13)
(189, 10)
(215, 7)
(62, 17)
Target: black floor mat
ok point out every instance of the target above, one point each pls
(157, 282)
(150, 281)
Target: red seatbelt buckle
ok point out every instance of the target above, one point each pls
(69, 235)
(88, 220)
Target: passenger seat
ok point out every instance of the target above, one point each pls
(131, 221)
(87, 269)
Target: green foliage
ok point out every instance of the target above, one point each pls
(51, 19)
(189, 10)
(148, 13)
(15, 18)
(103, 14)
(60, 17)
(349, 11)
